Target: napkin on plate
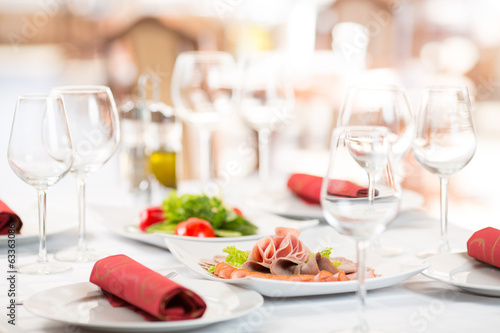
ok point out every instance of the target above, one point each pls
(308, 187)
(7, 218)
(484, 245)
(131, 283)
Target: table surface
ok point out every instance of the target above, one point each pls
(418, 304)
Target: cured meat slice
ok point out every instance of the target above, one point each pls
(289, 266)
(284, 245)
(347, 266)
(255, 266)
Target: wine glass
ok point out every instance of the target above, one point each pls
(360, 158)
(265, 99)
(382, 105)
(40, 152)
(202, 93)
(95, 131)
(445, 142)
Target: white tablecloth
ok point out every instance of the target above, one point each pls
(416, 305)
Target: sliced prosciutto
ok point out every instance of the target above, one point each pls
(288, 266)
(285, 244)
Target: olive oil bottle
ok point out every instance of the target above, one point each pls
(162, 165)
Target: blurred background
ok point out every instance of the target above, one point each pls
(414, 43)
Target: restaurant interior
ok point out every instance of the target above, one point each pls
(325, 48)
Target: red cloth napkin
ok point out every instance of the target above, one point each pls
(7, 217)
(308, 187)
(136, 285)
(484, 245)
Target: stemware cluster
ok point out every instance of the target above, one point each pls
(74, 128)
(375, 130)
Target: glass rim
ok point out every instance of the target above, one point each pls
(377, 86)
(80, 89)
(446, 87)
(39, 96)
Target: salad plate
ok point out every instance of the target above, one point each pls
(190, 253)
(84, 305)
(284, 203)
(124, 221)
(464, 272)
(58, 221)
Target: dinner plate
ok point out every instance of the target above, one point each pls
(83, 304)
(285, 203)
(462, 271)
(124, 221)
(316, 239)
(58, 221)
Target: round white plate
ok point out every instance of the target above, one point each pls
(58, 221)
(462, 271)
(316, 239)
(283, 202)
(83, 304)
(124, 221)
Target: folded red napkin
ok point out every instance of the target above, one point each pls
(484, 245)
(8, 219)
(308, 187)
(135, 284)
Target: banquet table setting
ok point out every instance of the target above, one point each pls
(417, 303)
(233, 200)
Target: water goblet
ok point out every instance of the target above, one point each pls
(40, 153)
(360, 156)
(445, 142)
(95, 131)
(265, 99)
(382, 105)
(202, 93)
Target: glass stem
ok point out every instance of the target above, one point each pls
(371, 187)
(205, 153)
(362, 247)
(264, 136)
(42, 205)
(82, 245)
(445, 245)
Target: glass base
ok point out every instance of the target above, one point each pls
(47, 268)
(78, 255)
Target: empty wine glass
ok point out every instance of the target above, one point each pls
(445, 142)
(40, 153)
(202, 91)
(382, 105)
(265, 99)
(95, 131)
(360, 158)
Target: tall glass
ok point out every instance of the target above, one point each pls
(382, 105)
(445, 142)
(265, 99)
(95, 131)
(360, 160)
(40, 152)
(202, 93)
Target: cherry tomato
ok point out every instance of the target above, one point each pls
(195, 227)
(150, 216)
(237, 211)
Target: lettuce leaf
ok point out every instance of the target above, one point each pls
(235, 257)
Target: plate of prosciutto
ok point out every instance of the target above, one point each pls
(317, 262)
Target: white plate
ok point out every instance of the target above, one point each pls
(190, 253)
(124, 221)
(83, 304)
(462, 271)
(283, 202)
(58, 221)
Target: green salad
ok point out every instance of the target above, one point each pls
(226, 222)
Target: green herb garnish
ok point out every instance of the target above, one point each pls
(325, 253)
(235, 257)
